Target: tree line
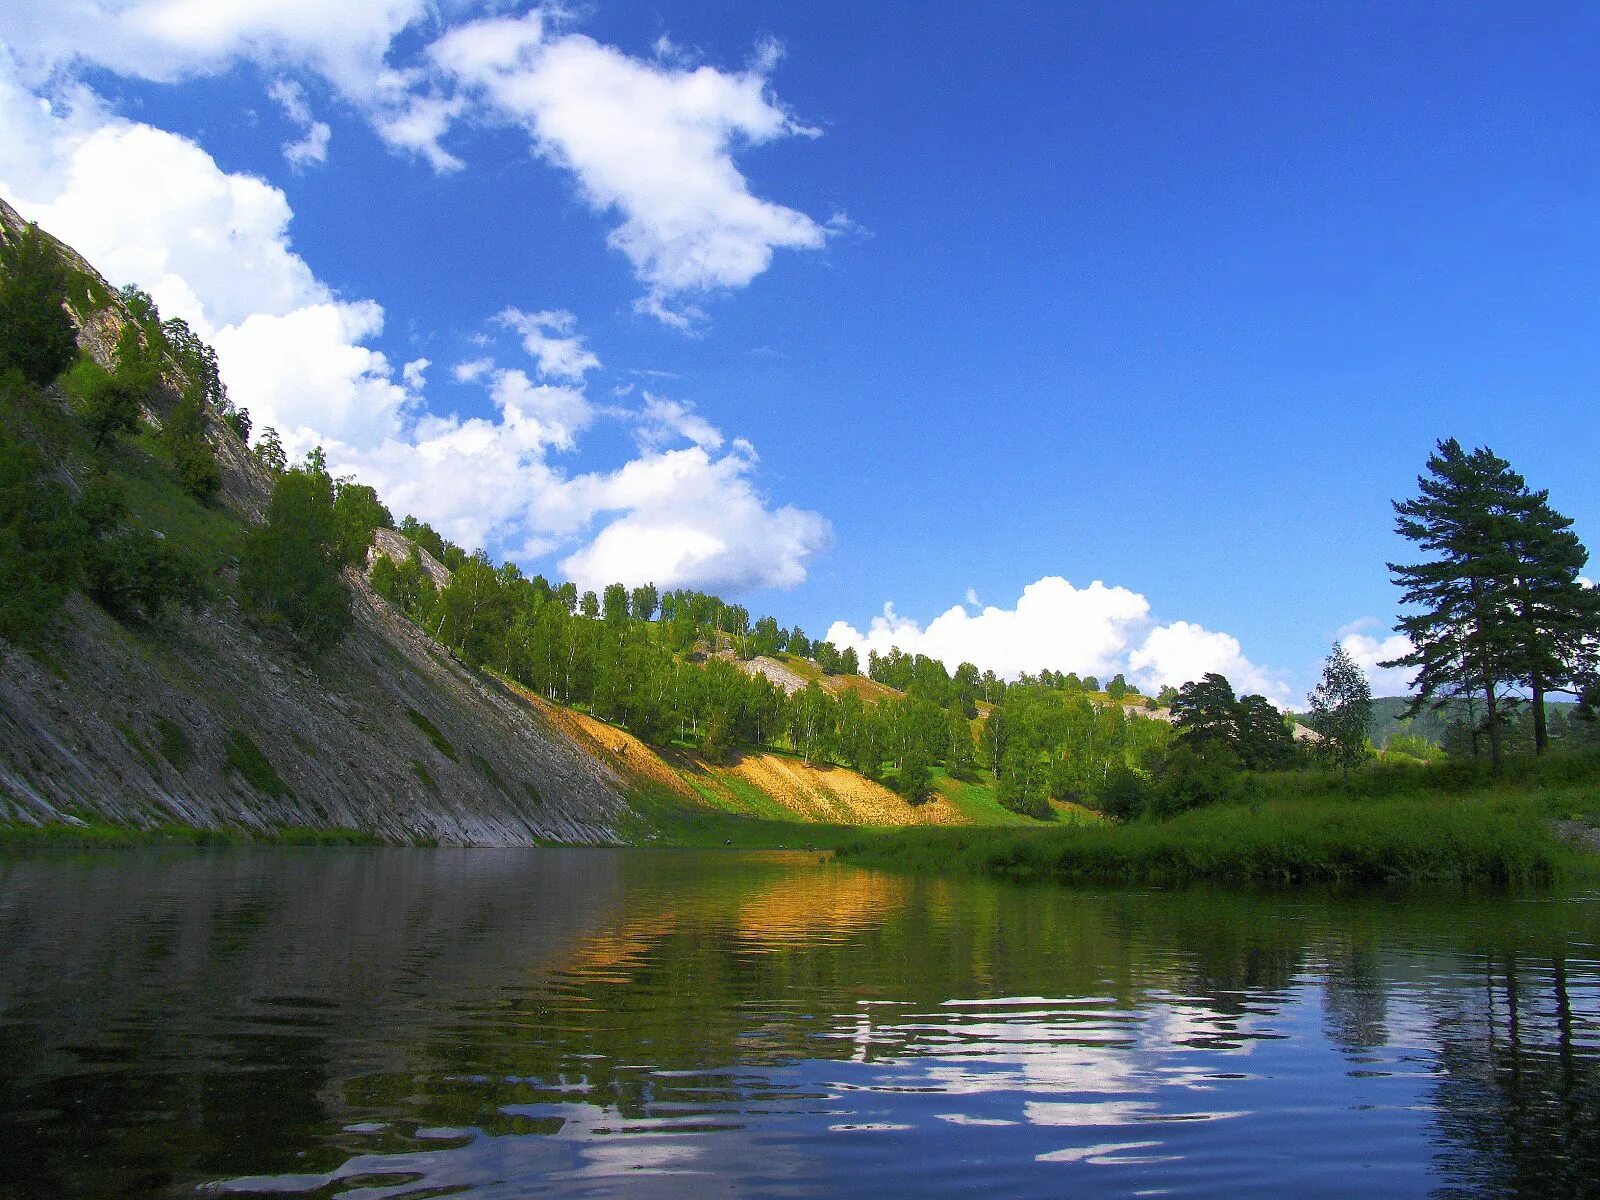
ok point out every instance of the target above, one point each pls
(661, 665)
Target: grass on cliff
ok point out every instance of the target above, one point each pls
(1415, 825)
(101, 835)
(242, 756)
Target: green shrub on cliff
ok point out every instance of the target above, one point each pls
(37, 336)
(41, 542)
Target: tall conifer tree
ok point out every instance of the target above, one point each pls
(1558, 617)
(1465, 633)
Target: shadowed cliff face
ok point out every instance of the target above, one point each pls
(131, 723)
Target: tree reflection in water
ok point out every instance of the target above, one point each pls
(568, 1023)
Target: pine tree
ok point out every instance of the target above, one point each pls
(1341, 709)
(1206, 710)
(1465, 634)
(1502, 602)
(1558, 618)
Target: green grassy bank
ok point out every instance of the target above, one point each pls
(1402, 826)
(99, 834)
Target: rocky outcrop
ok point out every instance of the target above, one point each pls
(391, 544)
(773, 671)
(387, 735)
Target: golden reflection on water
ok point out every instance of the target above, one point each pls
(613, 955)
(688, 1024)
(803, 906)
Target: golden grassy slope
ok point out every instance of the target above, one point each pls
(758, 783)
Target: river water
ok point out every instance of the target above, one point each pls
(411, 1023)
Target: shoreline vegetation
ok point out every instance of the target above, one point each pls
(1452, 823)
(79, 834)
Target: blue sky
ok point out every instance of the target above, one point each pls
(917, 304)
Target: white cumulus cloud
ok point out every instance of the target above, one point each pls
(312, 147)
(472, 370)
(308, 375)
(663, 421)
(149, 207)
(347, 43)
(550, 338)
(1054, 625)
(1182, 651)
(1095, 630)
(649, 142)
(691, 514)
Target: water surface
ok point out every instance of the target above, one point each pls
(411, 1023)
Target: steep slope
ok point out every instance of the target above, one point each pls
(198, 718)
(755, 783)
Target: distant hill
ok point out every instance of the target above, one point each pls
(1429, 724)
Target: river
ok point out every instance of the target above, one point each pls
(488, 1023)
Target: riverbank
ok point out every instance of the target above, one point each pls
(89, 835)
(1496, 839)
(680, 829)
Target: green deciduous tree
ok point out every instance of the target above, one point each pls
(130, 570)
(812, 722)
(406, 585)
(614, 606)
(108, 404)
(1341, 710)
(644, 602)
(37, 337)
(41, 542)
(1122, 794)
(357, 514)
(913, 782)
(289, 570)
(473, 611)
(184, 435)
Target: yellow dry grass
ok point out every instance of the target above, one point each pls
(615, 747)
(869, 690)
(828, 793)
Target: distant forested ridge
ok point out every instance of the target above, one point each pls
(681, 667)
(1437, 726)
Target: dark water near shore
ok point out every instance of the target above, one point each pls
(388, 1023)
